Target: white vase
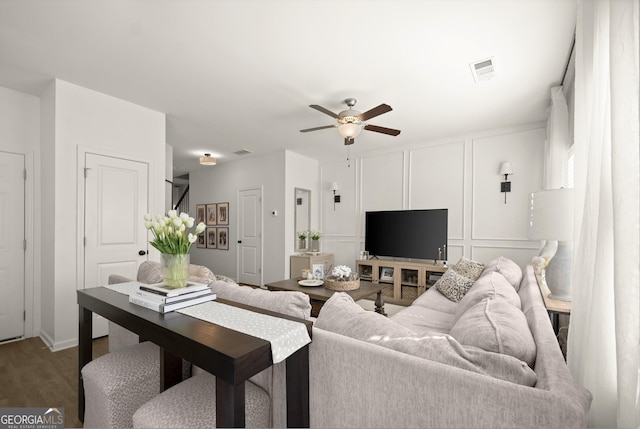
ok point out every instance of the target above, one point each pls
(174, 270)
(315, 245)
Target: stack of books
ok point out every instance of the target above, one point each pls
(163, 299)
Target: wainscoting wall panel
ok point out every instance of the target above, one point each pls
(492, 219)
(520, 255)
(436, 181)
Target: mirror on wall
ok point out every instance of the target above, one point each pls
(302, 220)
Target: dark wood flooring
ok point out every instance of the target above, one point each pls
(31, 375)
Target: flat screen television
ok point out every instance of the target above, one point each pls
(407, 233)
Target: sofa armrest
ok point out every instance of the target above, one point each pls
(365, 385)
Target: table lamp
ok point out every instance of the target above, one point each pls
(551, 218)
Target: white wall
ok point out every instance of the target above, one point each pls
(85, 120)
(458, 173)
(20, 133)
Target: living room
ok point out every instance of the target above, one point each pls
(60, 119)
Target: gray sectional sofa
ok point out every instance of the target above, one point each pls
(489, 360)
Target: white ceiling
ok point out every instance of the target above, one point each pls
(236, 74)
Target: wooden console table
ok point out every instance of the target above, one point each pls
(231, 356)
(554, 307)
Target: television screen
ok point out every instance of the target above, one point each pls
(406, 233)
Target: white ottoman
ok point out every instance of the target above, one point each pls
(192, 404)
(118, 383)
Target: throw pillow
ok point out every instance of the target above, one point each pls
(488, 286)
(468, 268)
(341, 315)
(496, 326)
(453, 285)
(294, 304)
(509, 269)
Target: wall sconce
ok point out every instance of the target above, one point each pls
(336, 198)
(505, 186)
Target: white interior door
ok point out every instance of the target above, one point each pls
(250, 237)
(116, 200)
(11, 245)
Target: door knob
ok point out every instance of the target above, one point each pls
(142, 253)
(239, 241)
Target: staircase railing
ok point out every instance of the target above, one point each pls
(183, 202)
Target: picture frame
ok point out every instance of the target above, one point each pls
(318, 271)
(212, 237)
(201, 242)
(223, 213)
(201, 213)
(212, 213)
(223, 238)
(386, 273)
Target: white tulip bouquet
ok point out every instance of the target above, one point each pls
(170, 233)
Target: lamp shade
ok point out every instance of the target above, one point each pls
(551, 215)
(349, 130)
(506, 168)
(207, 159)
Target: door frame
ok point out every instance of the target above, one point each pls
(80, 190)
(259, 188)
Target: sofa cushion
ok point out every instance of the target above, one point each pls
(468, 268)
(509, 269)
(341, 315)
(491, 285)
(294, 304)
(435, 300)
(422, 319)
(453, 285)
(496, 326)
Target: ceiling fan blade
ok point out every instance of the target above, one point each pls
(323, 110)
(317, 128)
(376, 111)
(382, 130)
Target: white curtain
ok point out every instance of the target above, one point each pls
(604, 333)
(557, 144)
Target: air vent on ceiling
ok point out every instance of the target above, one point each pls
(242, 152)
(483, 69)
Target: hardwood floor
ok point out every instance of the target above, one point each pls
(33, 376)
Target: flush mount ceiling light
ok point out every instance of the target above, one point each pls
(207, 159)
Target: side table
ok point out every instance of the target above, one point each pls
(554, 307)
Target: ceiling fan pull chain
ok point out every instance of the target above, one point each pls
(348, 156)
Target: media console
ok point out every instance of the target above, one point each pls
(409, 279)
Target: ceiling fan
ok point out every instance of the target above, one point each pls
(351, 122)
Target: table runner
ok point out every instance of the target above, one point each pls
(285, 336)
(127, 288)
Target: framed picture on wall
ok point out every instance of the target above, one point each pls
(212, 237)
(223, 213)
(223, 238)
(211, 214)
(201, 213)
(202, 241)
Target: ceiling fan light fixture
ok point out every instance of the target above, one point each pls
(349, 130)
(207, 159)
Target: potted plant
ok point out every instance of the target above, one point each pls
(302, 239)
(173, 240)
(315, 238)
(342, 279)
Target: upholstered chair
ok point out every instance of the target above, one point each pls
(118, 383)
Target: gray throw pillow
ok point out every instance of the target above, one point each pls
(496, 326)
(453, 285)
(341, 315)
(468, 268)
